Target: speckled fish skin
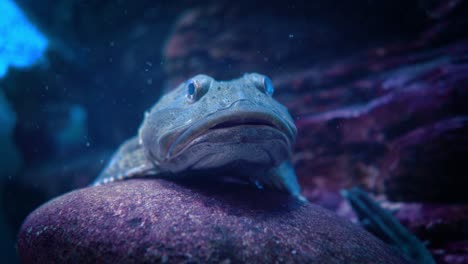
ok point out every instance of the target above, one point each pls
(204, 125)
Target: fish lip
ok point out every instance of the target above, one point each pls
(230, 119)
(242, 122)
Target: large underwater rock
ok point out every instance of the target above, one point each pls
(225, 39)
(442, 226)
(350, 104)
(358, 108)
(341, 146)
(429, 163)
(155, 220)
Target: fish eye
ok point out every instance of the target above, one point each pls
(196, 87)
(268, 86)
(191, 88)
(262, 82)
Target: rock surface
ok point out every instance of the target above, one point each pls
(427, 164)
(350, 104)
(443, 226)
(156, 220)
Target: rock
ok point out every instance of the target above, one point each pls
(348, 110)
(429, 163)
(453, 253)
(344, 146)
(225, 39)
(443, 226)
(426, 220)
(149, 220)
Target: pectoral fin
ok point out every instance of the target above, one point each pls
(127, 162)
(282, 178)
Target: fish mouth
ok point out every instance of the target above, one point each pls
(243, 122)
(229, 121)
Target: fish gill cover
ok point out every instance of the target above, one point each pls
(21, 44)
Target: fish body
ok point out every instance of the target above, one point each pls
(204, 126)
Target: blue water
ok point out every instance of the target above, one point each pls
(21, 43)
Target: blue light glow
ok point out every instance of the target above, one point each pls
(21, 44)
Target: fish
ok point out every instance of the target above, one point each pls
(210, 127)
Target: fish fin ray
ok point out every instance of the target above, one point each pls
(282, 178)
(127, 162)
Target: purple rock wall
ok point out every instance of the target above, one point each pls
(383, 109)
(349, 109)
